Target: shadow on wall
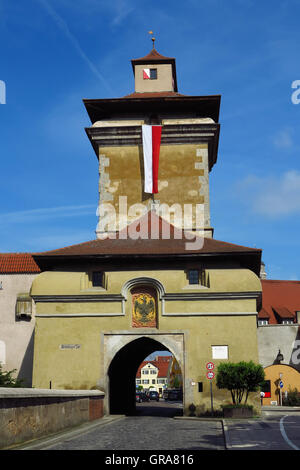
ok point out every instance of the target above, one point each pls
(26, 369)
(295, 356)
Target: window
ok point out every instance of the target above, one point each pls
(153, 381)
(153, 371)
(23, 307)
(262, 322)
(288, 321)
(193, 276)
(138, 381)
(153, 74)
(97, 279)
(145, 382)
(145, 371)
(161, 381)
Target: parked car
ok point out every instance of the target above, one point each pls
(153, 395)
(172, 394)
(140, 397)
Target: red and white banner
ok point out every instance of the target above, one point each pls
(151, 146)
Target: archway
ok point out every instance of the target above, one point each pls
(122, 373)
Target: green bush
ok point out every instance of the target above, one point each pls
(240, 378)
(293, 398)
(6, 379)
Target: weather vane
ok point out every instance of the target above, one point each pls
(153, 39)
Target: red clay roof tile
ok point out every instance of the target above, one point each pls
(14, 263)
(280, 295)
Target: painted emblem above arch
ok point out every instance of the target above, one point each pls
(144, 307)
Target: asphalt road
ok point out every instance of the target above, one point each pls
(274, 431)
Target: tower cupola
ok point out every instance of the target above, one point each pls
(154, 73)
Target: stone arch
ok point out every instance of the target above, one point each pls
(143, 281)
(124, 362)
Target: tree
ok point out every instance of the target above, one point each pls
(240, 379)
(6, 379)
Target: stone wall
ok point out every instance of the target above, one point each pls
(27, 414)
(271, 338)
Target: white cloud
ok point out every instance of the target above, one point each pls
(272, 196)
(62, 25)
(47, 213)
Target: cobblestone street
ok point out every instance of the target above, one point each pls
(152, 428)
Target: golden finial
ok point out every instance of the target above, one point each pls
(153, 39)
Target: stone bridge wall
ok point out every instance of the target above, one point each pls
(27, 414)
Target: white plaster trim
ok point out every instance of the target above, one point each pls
(209, 314)
(143, 280)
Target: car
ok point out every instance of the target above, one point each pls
(140, 397)
(153, 395)
(172, 394)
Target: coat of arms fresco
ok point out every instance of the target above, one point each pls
(143, 308)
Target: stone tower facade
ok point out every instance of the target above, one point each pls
(188, 150)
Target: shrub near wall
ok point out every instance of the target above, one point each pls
(240, 379)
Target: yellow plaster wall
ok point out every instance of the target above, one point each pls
(182, 179)
(83, 367)
(290, 378)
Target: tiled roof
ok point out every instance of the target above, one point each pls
(263, 314)
(162, 364)
(283, 312)
(157, 94)
(123, 244)
(282, 297)
(153, 55)
(13, 263)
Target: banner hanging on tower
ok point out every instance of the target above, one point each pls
(151, 147)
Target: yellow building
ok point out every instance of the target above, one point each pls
(175, 379)
(148, 282)
(153, 375)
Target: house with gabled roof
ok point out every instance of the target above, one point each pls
(17, 271)
(153, 374)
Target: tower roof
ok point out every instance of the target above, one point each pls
(158, 247)
(155, 57)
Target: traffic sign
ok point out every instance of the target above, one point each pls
(210, 366)
(281, 384)
(210, 375)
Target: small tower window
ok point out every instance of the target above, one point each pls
(149, 74)
(97, 279)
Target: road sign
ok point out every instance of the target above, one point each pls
(280, 384)
(210, 366)
(210, 375)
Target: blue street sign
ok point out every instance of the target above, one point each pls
(280, 384)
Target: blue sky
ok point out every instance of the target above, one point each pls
(54, 53)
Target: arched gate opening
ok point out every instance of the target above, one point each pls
(122, 373)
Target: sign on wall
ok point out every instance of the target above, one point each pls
(219, 352)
